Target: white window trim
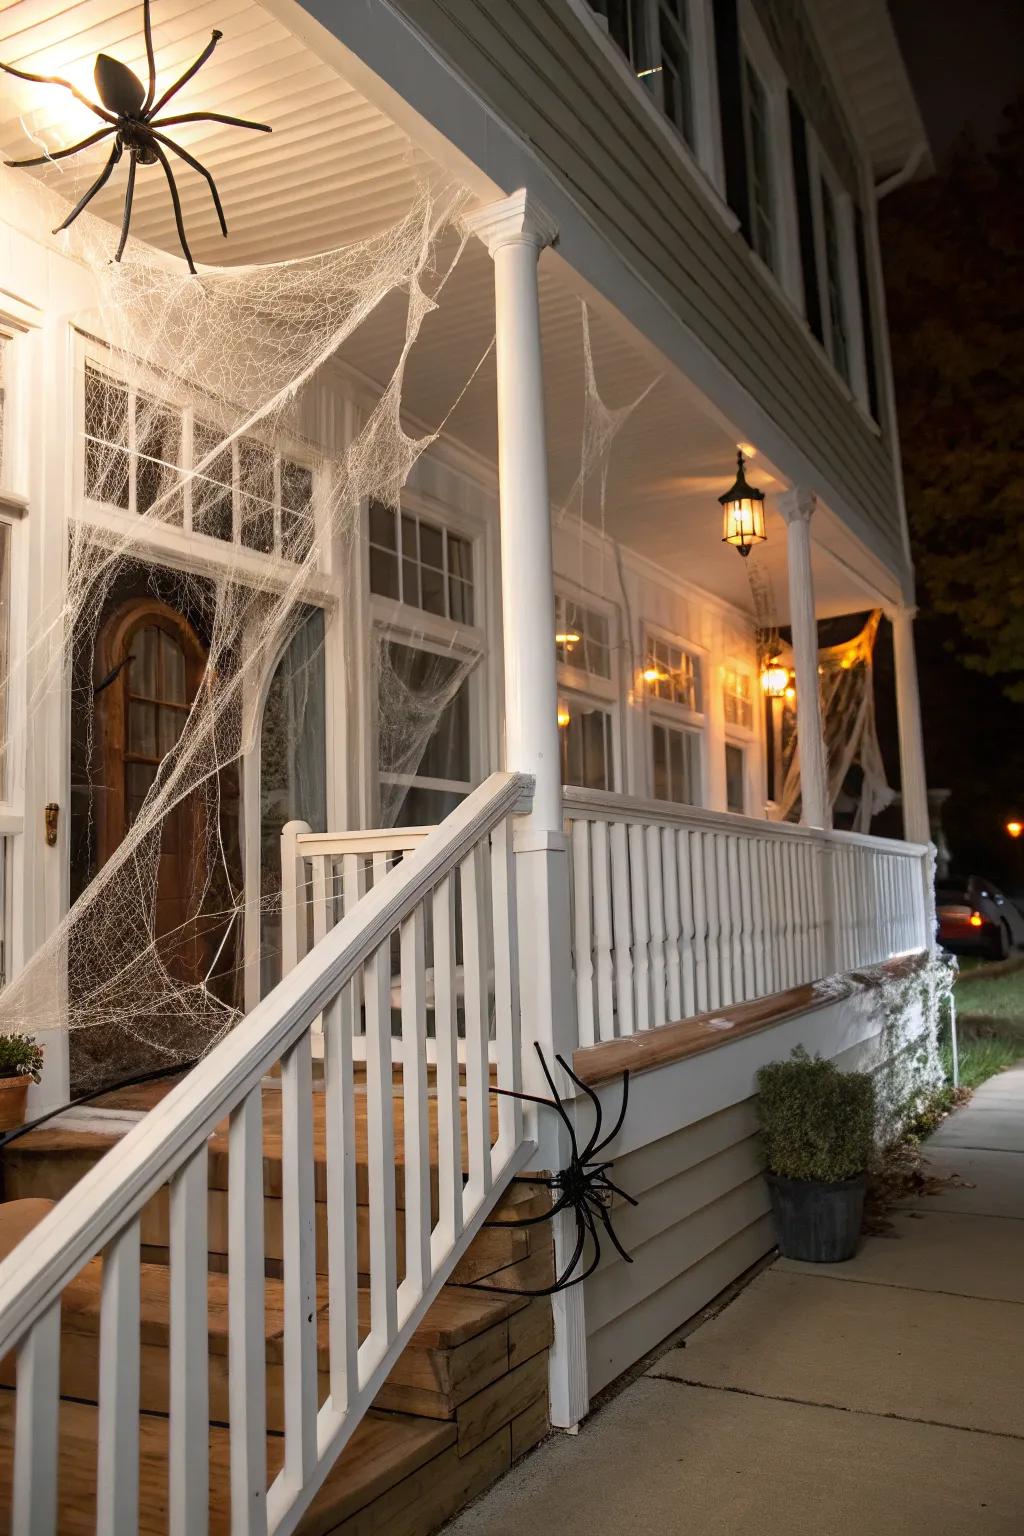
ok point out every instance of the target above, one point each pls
(606, 690)
(707, 169)
(821, 169)
(665, 712)
(571, 694)
(754, 45)
(744, 744)
(13, 451)
(687, 725)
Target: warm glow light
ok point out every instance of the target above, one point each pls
(742, 512)
(791, 692)
(975, 919)
(568, 637)
(747, 449)
(1015, 828)
(775, 679)
(563, 716)
(654, 675)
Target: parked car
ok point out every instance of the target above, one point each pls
(976, 918)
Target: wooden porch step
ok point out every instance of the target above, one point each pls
(467, 1340)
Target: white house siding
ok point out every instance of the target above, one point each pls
(689, 1153)
(549, 98)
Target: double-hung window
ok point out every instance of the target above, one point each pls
(761, 171)
(738, 715)
(587, 693)
(673, 684)
(833, 278)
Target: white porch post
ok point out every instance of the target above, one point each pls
(913, 784)
(797, 507)
(515, 231)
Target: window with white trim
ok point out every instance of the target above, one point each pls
(735, 778)
(420, 563)
(761, 170)
(582, 637)
(585, 732)
(834, 282)
(5, 651)
(738, 698)
(140, 451)
(672, 674)
(439, 772)
(4, 410)
(675, 762)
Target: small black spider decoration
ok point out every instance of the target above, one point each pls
(131, 115)
(583, 1187)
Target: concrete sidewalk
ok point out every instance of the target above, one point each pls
(883, 1397)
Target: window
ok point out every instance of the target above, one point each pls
(735, 778)
(835, 306)
(4, 353)
(676, 67)
(585, 732)
(761, 171)
(676, 761)
(672, 674)
(5, 647)
(623, 21)
(737, 696)
(424, 739)
(140, 454)
(421, 564)
(582, 638)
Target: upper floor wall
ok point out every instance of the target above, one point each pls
(707, 144)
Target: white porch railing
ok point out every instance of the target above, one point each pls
(345, 976)
(677, 911)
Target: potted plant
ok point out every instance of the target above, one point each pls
(21, 1061)
(818, 1127)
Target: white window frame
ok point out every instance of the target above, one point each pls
(178, 545)
(788, 273)
(706, 165)
(745, 737)
(608, 707)
(17, 323)
(821, 170)
(590, 687)
(677, 716)
(391, 620)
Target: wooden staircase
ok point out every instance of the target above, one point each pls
(467, 1396)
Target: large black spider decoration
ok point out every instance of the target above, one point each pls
(131, 115)
(583, 1187)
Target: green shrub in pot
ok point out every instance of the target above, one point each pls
(21, 1062)
(818, 1125)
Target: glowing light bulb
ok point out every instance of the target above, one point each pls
(563, 716)
(1015, 828)
(568, 638)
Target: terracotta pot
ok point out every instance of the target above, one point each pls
(13, 1097)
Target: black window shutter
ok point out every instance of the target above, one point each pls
(729, 62)
(805, 217)
(866, 313)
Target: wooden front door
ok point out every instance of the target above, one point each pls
(150, 663)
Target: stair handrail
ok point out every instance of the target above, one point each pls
(34, 1274)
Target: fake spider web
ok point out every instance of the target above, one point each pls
(214, 491)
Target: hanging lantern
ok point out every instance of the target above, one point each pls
(742, 512)
(775, 679)
(563, 714)
(1015, 828)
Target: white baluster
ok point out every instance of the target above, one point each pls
(582, 944)
(745, 877)
(416, 1114)
(117, 1457)
(298, 1193)
(641, 926)
(656, 914)
(247, 1343)
(342, 1213)
(673, 924)
(380, 1141)
(713, 917)
(762, 982)
(727, 911)
(36, 1429)
(603, 940)
(188, 1473)
(623, 929)
(449, 1105)
(507, 1044)
(699, 929)
(474, 972)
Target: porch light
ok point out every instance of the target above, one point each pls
(742, 512)
(775, 679)
(654, 675)
(1015, 828)
(563, 715)
(568, 638)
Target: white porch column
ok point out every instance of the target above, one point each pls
(797, 507)
(515, 231)
(913, 783)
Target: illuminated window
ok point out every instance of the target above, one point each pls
(585, 733)
(672, 674)
(737, 696)
(582, 638)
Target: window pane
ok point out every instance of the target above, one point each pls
(3, 418)
(676, 69)
(106, 440)
(256, 496)
(586, 747)
(382, 525)
(296, 510)
(431, 546)
(432, 589)
(460, 601)
(5, 646)
(157, 469)
(762, 197)
(735, 798)
(676, 763)
(834, 278)
(172, 670)
(621, 18)
(142, 729)
(212, 511)
(383, 573)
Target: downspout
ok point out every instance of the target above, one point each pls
(906, 173)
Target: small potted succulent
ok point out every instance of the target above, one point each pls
(21, 1061)
(818, 1126)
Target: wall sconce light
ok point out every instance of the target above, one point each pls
(563, 714)
(742, 512)
(1015, 828)
(774, 679)
(654, 675)
(568, 638)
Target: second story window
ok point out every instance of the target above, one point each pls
(676, 65)
(761, 172)
(835, 308)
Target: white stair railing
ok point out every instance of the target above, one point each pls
(476, 1141)
(677, 911)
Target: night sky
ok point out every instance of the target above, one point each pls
(966, 61)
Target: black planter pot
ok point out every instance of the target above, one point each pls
(817, 1223)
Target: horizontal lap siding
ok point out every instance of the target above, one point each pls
(533, 62)
(702, 1219)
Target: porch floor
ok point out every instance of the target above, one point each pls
(880, 1396)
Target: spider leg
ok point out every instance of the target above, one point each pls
(129, 194)
(193, 69)
(98, 184)
(24, 74)
(62, 154)
(598, 1113)
(622, 1194)
(196, 166)
(147, 25)
(176, 204)
(617, 1127)
(556, 1104)
(212, 117)
(606, 1222)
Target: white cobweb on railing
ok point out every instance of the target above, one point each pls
(197, 421)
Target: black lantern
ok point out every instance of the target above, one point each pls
(742, 512)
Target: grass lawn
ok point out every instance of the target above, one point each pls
(990, 1020)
